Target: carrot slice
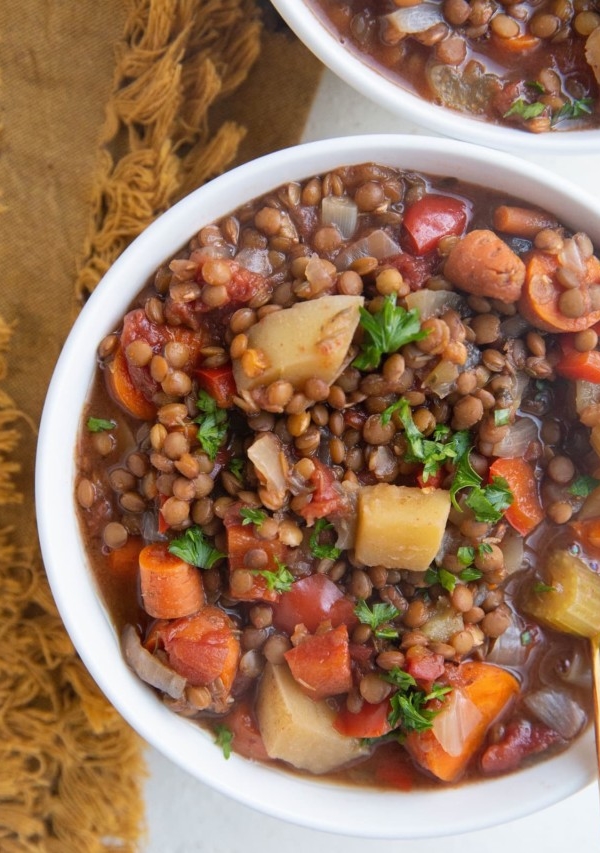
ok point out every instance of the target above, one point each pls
(525, 512)
(370, 721)
(490, 689)
(521, 221)
(539, 298)
(170, 587)
(124, 391)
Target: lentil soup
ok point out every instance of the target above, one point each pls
(337, 479)
(530, 65)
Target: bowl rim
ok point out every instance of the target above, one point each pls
(382, 90)
(324, 806)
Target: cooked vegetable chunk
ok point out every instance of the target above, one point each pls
(400, 527)
(483, 264)
(308, 340)
(569, 600)
(297, 729)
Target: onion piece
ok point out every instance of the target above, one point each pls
(414, 19)
(517, 439)
(508, 649)
(255, 260)
(148, 667)
(557, 710)
(586, 394)
(456, 721)
(442, 379)
(432, 303)
(266, 454)
(340, 211)
(378, 244)
(513, 549)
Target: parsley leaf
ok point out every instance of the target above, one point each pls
(442, 576)
(578, 108)
(490, 502)
(99, 424)
(501, 417)
(388, 329)
(236, 466)
(320, 550)
(583, 486)
(470, 574)
(279, 581)
(521, 108)
(408, 705)
(195, 549)
(377, 617)
(224, 739)
(430, 451)
(466, 555)
(251, 515)
(212, 424)
(540, 586)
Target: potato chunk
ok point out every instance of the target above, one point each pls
(297, 729)
(308, 340)
(400, 527)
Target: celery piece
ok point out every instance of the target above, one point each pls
(569, 599)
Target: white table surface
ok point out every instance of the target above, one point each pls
(185, 816)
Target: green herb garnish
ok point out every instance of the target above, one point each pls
(194, 548)
(577, 108)
(490, 502)
(251, 515)
(99, 424)
(521, 108)
(432, 452)
(378, 617)
(408, 705)
(583, 486)
(212, 424)
(526, 637)
(541, 587)
(279, 581)
(320, 550)
(442, 576)
(501, 417)
(236, 466)
(388, 329)
(224, 739)
(466, 555)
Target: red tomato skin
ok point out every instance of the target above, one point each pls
(431, 218)
(328, 497)
(219, 383)
(310, 602)
(247, 740)
(321, 664)
(199, 647)
(521, 739)
(370, 721)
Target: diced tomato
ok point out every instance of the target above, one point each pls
(247, 740)
(203, 647)
(525, 512)
(430, 218)
(310, 602)
(434, 481)
(219, 383)
(328, 497)
(521, 739)
(425, 666)
(370, 721)
(243, 285)
(415, 270)
(321, 663)
(240, 540)
(580, 365)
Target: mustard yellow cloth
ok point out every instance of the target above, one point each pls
(110, 111)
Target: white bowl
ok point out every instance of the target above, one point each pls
(371, 83)
(304, 801)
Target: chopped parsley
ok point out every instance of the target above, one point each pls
(99, 424)
(251, 515)
(212, 424)
(408, 705)
(378, 618)
(236, 466)
(433, 452)
(540, 586)
(578, 108)
(466, 555)
(526, 637)
(224, 739)
(583, 486)
(489, 502)
(320, 550)
(501, 417)
(279, 581)
(521, 108)
(470, 574)
(194, 548)
(388, 329)
(446, 579)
